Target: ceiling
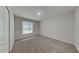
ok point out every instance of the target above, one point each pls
(40, 12)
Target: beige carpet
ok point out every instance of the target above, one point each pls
(41, 44)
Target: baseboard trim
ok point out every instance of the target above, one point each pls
(27, 38)
(58, 40)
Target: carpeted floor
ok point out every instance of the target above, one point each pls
(41, 44)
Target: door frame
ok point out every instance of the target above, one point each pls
(8, 29)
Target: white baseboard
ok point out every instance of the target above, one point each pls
(58, 40)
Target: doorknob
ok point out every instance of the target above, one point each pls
(1, 43)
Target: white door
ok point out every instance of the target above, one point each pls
(1, 30)
(4, 30)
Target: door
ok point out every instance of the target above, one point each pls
(4, 30)
(1, 30)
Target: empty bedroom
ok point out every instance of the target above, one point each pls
(39, 29)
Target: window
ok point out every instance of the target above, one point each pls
(27, 27)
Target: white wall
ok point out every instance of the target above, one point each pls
(60, 28)
(76, 40)
(18, 28)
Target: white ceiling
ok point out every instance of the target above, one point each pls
(40, 12)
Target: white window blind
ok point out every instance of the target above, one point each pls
(27, 27)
